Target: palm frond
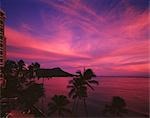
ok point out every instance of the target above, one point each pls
(89, 85)
(72, 91)
(70, 86)
(52, 111)
(75, 96)
(94, 82)
(51, 104)
(71, 81)
(66, 110)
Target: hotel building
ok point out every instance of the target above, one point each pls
(2, 42)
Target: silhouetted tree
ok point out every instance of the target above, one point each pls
(78, 87)
(117, 107)
(9, 69)
(58, 105)
(10, 72)
(16, 75)
(77, 92)
(28, 97)
(86, 77)
(21, 71)
(32, 69)
(21, 66)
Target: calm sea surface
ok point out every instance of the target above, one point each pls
(135, 91)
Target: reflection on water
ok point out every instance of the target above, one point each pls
(133, 90)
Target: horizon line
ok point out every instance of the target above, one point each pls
(129, 76)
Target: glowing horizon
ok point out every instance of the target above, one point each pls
(111, 37)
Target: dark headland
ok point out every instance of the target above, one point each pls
(54, 72)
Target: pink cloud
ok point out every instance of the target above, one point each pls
(59, 44)
(105, 44)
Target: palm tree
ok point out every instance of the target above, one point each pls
(9, 71)
(86, 78)
(77, 92)
(15, 74)
(36, 67)
(58, 105)
(32, 70)
(29, 96)
(117, 107)
(21, 65)
(79, 86)
(21, 71)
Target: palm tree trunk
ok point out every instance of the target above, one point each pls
(42, 99)
(74, 103)
(85, 107)
(58, 114)
(43, 81)
(76, 109)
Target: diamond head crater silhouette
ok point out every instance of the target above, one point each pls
(54, 72)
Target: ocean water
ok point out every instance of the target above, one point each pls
(135, 92)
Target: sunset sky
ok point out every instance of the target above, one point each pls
(109, 36)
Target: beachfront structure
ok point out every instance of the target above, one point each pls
(2, 42)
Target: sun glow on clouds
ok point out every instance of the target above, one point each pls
(76, 35)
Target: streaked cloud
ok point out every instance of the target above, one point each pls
(110, 38)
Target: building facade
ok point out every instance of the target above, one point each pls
(2, 42)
